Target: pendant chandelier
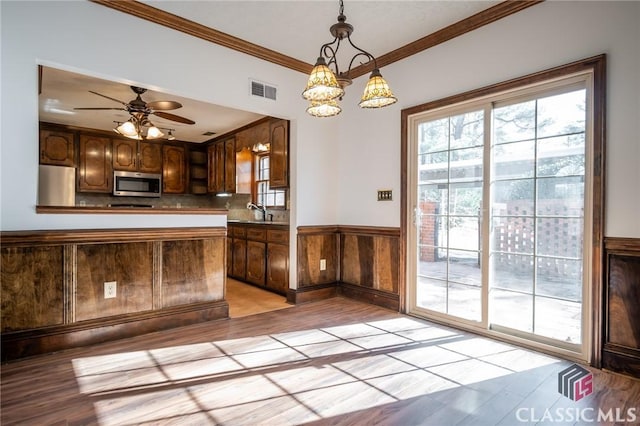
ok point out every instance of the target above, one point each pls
(325, 85)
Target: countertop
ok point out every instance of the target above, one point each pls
(129, 210)
(256, 222)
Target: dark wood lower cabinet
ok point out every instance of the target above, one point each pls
(278, 267)
(256, 255)
(259, 254)
(239, 259)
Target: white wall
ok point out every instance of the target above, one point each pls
(546, 35)
(338, 164)
(88, 38)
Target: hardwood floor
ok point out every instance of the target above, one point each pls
(336, 361)
(246, 299)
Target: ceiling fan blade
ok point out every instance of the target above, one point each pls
(105, 96)
(173, 117)
(87, 109)
(164, 105)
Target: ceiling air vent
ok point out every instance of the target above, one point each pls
(263, 90)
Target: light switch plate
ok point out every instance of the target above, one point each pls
(385, 195)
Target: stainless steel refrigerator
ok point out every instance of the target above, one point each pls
(56, 186)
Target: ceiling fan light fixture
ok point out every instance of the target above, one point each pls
(377, 93)
(128, 129)
(170, 135)
(154, 133)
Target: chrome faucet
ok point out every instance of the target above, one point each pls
(263, 209)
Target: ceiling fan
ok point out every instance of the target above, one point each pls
(139, 126)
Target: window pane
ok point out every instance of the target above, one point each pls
(434, 167)
(559, 278)
(513, 235)
(562, 114)
(561, 156)
(433, 262)
(514, 122)
(514, 160)
(465, 199)
(431, 294)
(433, 136)
(512, 271)
(465, 301)
(562, 196)
(510, 309)
(464, 267)
(464, 233)
(560, 237)
(466, 130)
(433, 199)
(558, 319)
(466, 165)
(513, 197)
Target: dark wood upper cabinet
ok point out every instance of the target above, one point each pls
(216, 154)
(131, 155)
(174, 172)
(279, 173)
(230, 165)
(150, 157)
(95, 171)
(57, 148)
(125, 155)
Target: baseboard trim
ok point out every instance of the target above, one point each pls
(22, 344)
(370, 295)
(312, 293)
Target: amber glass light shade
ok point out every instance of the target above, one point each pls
(377, 93)
(322, 85)
(324, 109)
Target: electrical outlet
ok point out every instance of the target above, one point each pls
(110, 289)
(323, 264)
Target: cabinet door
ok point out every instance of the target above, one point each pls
(278, 267)
(239, 266)
(95, 170)
(150, 157)
(256, 255)
(220, 169)
(125, 153)
(211, 168)
(229, 255)
(57, 148)
(173, 169)
(279, 173)
(230, 165)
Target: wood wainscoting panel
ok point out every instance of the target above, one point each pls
(370, 258)
(32, 287)
(193, 271)
(130, 265)
(621, 351)
(314, 244)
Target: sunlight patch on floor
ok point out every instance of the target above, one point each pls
(308, 375)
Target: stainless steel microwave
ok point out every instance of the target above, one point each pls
(135, 184)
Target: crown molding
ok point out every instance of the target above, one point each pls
(169, 20)
(203, 32)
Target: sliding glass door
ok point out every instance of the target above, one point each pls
(498, 192)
